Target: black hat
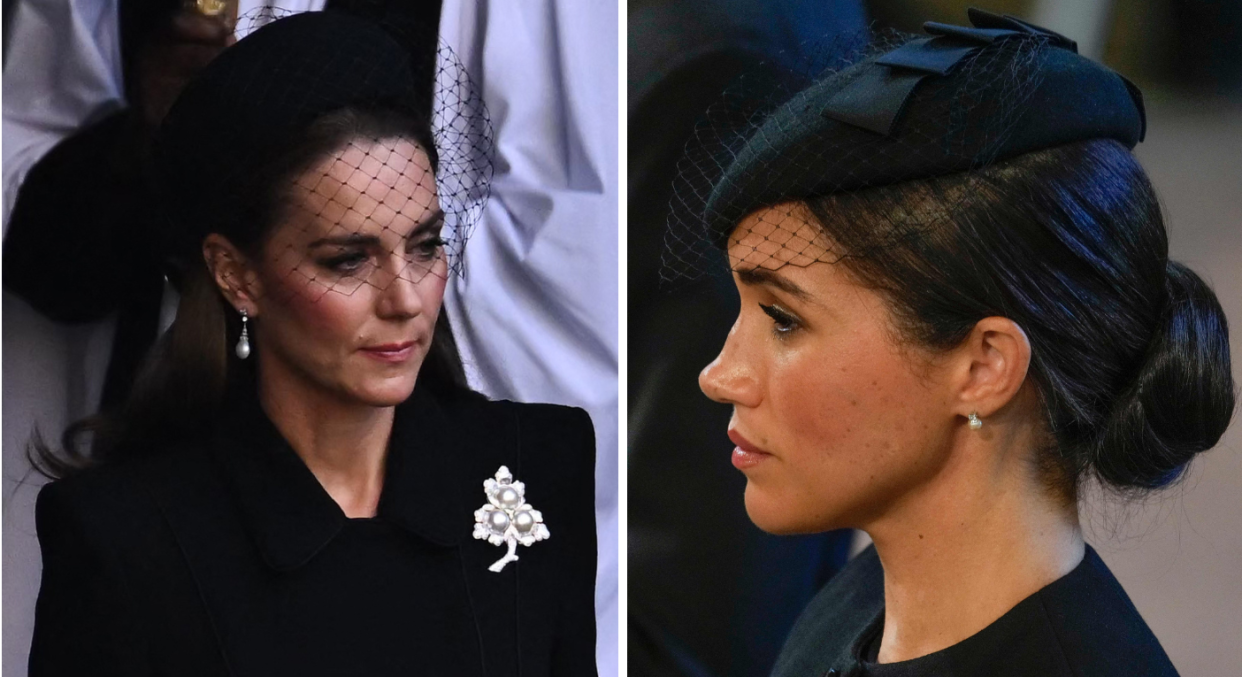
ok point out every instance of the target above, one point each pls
(917, 106)
(257, 97)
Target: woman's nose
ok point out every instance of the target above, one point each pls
(400, 298)
(730, 378)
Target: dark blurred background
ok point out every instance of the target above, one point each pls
(711, 595)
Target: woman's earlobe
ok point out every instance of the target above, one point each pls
(999, 354)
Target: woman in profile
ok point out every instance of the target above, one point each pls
(957, 307)
(301, 481)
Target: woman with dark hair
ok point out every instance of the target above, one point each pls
(957, 307)
(301, 482)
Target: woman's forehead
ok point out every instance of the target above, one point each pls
(369, 186)
(777, 236)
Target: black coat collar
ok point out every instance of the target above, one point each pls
(1081, 624)
(291, 517)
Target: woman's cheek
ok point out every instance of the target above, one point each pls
(820, 400)
(431, 288)
(841, 437)
(330, 314)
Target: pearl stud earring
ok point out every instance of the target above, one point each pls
(975, 423)
(243, 342)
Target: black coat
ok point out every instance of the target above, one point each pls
(229, 558)
(1081, 625)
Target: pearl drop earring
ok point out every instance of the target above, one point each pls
(243, 342)
(975, 423)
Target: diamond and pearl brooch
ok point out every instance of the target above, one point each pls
(506, 518)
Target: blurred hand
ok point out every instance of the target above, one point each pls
(174, 55)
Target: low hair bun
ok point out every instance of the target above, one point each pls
(1181, 401)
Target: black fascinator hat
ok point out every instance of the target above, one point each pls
(247, 115)
(907, 107)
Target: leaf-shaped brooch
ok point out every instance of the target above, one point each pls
(507, 518)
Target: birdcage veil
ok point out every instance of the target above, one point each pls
(347, 154)
(848, 120)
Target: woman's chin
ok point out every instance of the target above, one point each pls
(384, 392)
(777, 515)
(769, 513)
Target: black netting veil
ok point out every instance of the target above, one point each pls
(851, 119)
(322, 143)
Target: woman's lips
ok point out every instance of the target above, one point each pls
(745, 454)
(391, 352)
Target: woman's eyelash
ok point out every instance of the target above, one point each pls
(347, 261)
(783, 322)
(431, 243)
(427, 248)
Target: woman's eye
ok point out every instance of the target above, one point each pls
(783, 322)
(429, 248)
(349, 262)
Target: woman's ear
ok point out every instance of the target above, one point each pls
(232, 272)
(993, 363)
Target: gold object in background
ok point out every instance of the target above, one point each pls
(225, 9)
(212, 7)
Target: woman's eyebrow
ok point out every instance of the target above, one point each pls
(431, 222)
(351, 240)
(755, 277)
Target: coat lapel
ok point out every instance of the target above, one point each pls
(425, 482)
(285, 510)
(254, 495)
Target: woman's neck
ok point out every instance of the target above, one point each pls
(344, 444)
(967, 547)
